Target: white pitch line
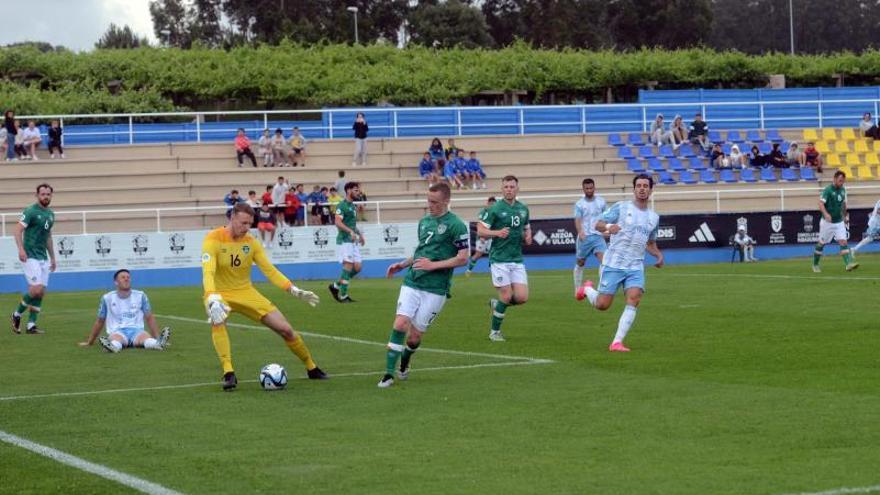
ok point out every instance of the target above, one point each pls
(367, 342)
(792, 277)
(211, 384)
(843, 491)
(128, 480)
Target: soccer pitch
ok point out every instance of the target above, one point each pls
(743, 379)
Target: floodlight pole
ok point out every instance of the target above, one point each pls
(791, 25)
(354, 10)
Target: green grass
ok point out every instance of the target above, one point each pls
(737, 384)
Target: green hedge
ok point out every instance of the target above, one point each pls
(290, 75)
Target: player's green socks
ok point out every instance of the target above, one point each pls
(471, 264)
(498, 315)
(817, 254)
(23, 304)
(407, 355)
(847, 257)
(395, 349)
(35, 311)
(344, 279)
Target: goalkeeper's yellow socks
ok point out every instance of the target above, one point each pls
(298, 347)
(222, 346)
(498, 315)
(395, 348)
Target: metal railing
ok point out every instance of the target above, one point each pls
(392, 123)
(718, 195)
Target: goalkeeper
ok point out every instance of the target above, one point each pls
(227, 256)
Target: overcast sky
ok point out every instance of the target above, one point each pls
(76, 24)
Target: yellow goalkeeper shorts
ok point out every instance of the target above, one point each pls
(248, 302)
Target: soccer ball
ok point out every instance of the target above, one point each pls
(273, 377)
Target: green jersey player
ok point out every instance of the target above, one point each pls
(483, 244)
(443, 245)
(33, 237)
(348, 242)
(832, 205)
(507, 224)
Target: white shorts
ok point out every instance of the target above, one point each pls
(36, 272)
(829, 232)
(483, 245)
(349, 252)
(504, 274)
(419, 306)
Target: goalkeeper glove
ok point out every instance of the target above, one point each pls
(306, 296)
(218, 311)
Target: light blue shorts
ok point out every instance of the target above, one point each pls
(128, 334)
(612, 278)
(594, 243)
(873, 232)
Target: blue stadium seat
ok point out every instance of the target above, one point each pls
(625, 153)
(767, 174)
(696, 163)
(655, 165)
(646, 152)
(686, 177)
(714, 137)
(772, 135)
(666, 151)
(635, 139)
(807, 173)
(765, 148)
(635, 165)
(734, 137)
(789, 174)
(676, 165)
(666, 177)
(726, 148)
(727, 175)
(754, 136)
(615, 140)
(686, 151)
(748, 175)
(708, 176)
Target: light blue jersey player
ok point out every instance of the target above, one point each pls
(589, 240)
(124, 312)
(873, 232)
(633, 228)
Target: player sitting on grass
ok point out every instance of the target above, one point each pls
(483, 244)
(124, 312)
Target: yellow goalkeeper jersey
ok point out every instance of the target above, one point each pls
(226, 263)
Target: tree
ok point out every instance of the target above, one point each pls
(449, 24)
(121, 38)
(170, 22)
(204, 22)
(659, 23)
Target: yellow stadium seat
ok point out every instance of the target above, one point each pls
(847, 134)
(876, 147)
(865, 172)
(811, 135)
(871, 159)
(834, 160)
(847, 171)
(829, 134)
(822, 147)
(841, 147)
(852, 160)
(861, 146)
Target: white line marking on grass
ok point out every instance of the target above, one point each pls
(128, 480)
(211, 384)
(843, 491)
(841, 278)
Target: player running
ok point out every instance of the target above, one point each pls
(33, 237)
(124, 311)
(633, 228)
(507, 223)
(228, 253)
(873, 232)
(832, 205)
(348, 241)
(587, 211)
(483, 244)
(443, 246)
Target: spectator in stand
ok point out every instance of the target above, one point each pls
(704, 146)
(451, 174)
(31, 140)
(428, 170)
(303, 199)
(452, 150)
(461, 167)
(476, 170)
(359, 198)
(11, 133)
(437, 154)
(360, 129)
(231, 200)
(266, 198)
(279, 149)
(243, 148)
(341, 181)
(794, 157)
(333, 198)
(264, 145)
(266, 223)
(291, 206)
(718, 159)
(55, 132)
(314, 200)
(756, 158)
(679, 132)
(698, 128)
(254, 203)
(3, 140)
(659, 133)
(297, 153)
(776, 158)
(279, 190)
(20, 151)
(738, 159)
(812, 157)
(868, 128)
(324, 208)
